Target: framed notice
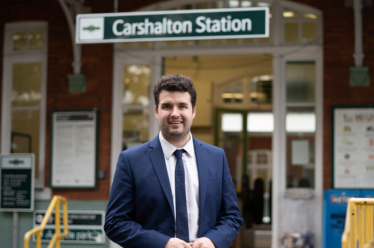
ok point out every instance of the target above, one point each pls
(353, 147)
(17, 182)
(74, 149)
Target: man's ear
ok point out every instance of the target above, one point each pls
(194, 112)
(156, 112)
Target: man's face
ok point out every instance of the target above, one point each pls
(175, 114)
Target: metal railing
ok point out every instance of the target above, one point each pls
(55, 203)
(358, 230)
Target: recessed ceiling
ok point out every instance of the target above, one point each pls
(219, 68)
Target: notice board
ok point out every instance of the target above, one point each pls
(74, 149)
(17, 182)
(353, 147)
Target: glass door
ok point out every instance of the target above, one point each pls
(230, 136)
(135, 105)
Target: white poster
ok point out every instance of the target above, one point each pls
(74, 149)
(300, 152)
(353, 148)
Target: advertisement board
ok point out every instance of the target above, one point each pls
(353, 147)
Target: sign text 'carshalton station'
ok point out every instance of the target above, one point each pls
(167, 26)
(173, 25)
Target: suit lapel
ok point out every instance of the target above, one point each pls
(202, 167)
(158, 160)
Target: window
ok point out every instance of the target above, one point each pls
(135, 105)
(300, 27)
(24, 92)
(300, 123)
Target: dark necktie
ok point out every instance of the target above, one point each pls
(180, 199)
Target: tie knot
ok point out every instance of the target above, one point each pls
(178, 153)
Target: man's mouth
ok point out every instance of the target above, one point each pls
(173, 122)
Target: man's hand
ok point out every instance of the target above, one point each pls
(177, 243)
(203, 243)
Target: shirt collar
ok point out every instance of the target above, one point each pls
(169, 149)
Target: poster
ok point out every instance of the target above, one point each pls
(74, 143)
(353, 147)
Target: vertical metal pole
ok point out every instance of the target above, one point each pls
(15, 229)
(115, 5)
(358, 55)
(245, 145)
(57, 222)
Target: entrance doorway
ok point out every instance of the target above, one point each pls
(234, 112)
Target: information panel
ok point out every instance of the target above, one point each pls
(231, 23)
(84, 227)
(353, 147)
(17, 182)
(74, 149)
(334, 212)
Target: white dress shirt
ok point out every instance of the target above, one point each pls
(191, 181)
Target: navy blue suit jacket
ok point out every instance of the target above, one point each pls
(140, 209)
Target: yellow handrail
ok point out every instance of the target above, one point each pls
(55, 203)
(359, 222)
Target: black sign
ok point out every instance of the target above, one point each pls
(16, 179)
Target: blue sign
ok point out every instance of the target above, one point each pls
(335, 209)
(334, 212)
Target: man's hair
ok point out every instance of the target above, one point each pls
(175, 83)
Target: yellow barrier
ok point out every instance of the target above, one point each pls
(55, 203)
(358, 230)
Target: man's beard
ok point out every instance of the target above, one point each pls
(174, 134)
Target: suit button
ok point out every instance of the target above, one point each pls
(171, 229)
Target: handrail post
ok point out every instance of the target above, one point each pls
(39, 239)
(65, 212)
(55, 241)
(57, 223)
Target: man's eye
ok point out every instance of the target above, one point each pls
(165, 107)
(183, 106)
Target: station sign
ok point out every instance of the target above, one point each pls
(17, 182)
(85, 227)
(233, 23)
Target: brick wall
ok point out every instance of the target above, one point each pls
(338, 51)
(97, 66)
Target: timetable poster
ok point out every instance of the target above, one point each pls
(74, 145)
(353, 148)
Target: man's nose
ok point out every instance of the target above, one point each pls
(175, 111)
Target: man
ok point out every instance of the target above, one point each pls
(174, 191)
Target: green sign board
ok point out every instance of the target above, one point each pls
(233, 23)
(75, 218)
(95, 235)
(17, 182)
(84, 226)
